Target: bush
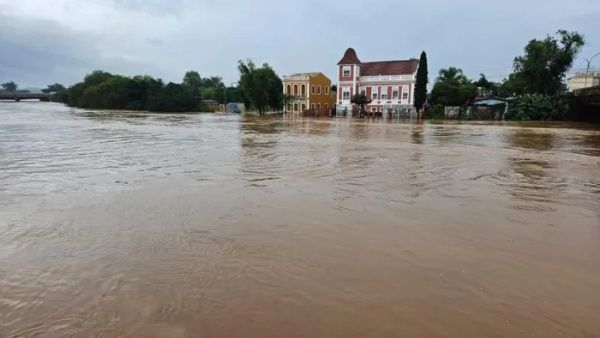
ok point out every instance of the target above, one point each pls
(540, 107)
(435, 111)
(103, 90)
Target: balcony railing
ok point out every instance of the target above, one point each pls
(299, 97)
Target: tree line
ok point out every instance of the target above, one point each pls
(536, 86)
(102, 90)
(259, 88)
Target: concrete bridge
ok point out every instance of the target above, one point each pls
(588, 96)
(24, 96)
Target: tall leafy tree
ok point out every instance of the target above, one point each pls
(58, 92)
(543, 66)
(490, 87)
(421, 82)
(192, 79)
(260, 87)
(10, 87)
(452, 88)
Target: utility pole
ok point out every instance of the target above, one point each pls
(587, 72)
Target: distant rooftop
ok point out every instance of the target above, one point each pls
(582, 75)
(310, 74)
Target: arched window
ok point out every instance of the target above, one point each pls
(295, 107)
(318, 106)
(303, 90)
(303, 107)
(312, 106)
(326, 105)
(289, 90)
(296, 90)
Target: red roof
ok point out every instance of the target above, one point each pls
(398, 67)
(350, 58)
(389, 67)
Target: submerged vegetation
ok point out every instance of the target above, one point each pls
(535, 88)
(258, 88)
(102, 90)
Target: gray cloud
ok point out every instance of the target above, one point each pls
(62, 40)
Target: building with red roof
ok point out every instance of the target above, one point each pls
(388, 84)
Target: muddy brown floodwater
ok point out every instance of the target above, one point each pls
(119, 224)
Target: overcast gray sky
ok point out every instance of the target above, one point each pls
(47, 41)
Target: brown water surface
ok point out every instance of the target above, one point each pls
(145, 225)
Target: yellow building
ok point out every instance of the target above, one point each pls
(310, 92)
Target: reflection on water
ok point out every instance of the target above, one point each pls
(531, 139)
(150, 225)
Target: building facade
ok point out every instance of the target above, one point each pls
(388, 84)
(583, 80)
(310, 92)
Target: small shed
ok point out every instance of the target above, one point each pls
(211, 105)
(487, 108)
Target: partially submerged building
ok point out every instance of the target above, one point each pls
(309, 92)
(389, 85)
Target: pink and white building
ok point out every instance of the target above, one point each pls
(388, 84)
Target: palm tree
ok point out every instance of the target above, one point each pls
(452, 74)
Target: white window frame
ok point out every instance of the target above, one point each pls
(404, 93)
(346, 94)
(346, 69)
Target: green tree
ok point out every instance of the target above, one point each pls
(58, 92)
(173, 98)
(192, 79)
(260, 87)
(54, 88)
(421, 83)
(544, 64)
(10, 87)
(490, 87)
(114, 93)
(361, 100)
(106, 91)
(96, 77)
(452, 88)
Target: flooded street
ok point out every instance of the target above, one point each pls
(172, 225)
